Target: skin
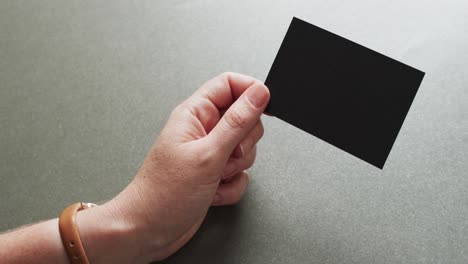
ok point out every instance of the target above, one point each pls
(198, 161)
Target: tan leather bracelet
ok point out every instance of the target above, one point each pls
(70, 235)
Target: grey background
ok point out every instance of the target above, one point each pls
(85, 86)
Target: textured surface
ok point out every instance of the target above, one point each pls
(86, 85)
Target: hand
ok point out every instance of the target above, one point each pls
(197, 161)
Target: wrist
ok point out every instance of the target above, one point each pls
(140, 207)
(109, 238)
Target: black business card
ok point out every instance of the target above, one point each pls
(341, 92)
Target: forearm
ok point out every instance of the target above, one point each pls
(38, 243)
(105, 236)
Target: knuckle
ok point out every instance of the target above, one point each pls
(236, 196)
(251, 161)
(225, 74)
(253, 156)
(235, 119)
(179, 108)
(261, 130)
(247, 179)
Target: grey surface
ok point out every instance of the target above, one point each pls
(85, 86)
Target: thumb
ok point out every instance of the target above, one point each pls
(240, 118)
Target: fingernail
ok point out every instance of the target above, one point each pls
(238, 152)
(258, 95)
(230, 167)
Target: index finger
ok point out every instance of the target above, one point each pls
(225, 88)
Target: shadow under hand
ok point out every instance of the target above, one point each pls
(214, 242)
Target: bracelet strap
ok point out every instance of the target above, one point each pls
(70, 235)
